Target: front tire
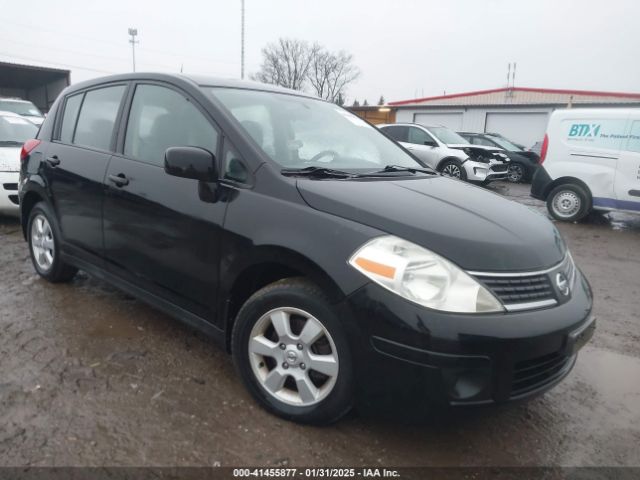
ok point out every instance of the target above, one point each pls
(290, 350)
(516, 173)
(454, 169)
(44, 245)
(568, 203)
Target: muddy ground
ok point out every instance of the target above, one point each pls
(90, 376)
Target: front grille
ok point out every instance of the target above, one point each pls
(499, 167)
(521, 291)
(511, 290)
(10, 186)
(532, 374)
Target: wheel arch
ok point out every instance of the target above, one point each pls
(446, 159)
(27, 202)
(568, 180)
(265, 266)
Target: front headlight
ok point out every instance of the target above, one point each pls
(419, 275)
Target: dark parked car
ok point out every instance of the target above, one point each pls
(322, 255)
(523, 163)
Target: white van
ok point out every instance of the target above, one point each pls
(591, 160)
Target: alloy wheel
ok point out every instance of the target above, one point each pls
(293, 356)
(516, 173)
(451, 170)
(42, 242)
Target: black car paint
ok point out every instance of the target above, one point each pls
(199, 251)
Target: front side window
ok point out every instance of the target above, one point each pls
(71, 109)
(300, 132)
(98, 117)
(482, 141)
(26, 109)
(506, 144)
(160, 118)
(418, 136)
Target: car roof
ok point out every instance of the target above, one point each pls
(194, 80)
(408, 124)
(15, 100)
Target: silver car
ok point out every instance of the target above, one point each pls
(449, 153)
(21, 107)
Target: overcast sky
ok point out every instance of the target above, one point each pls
(404, 48)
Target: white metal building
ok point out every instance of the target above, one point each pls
(520, 114)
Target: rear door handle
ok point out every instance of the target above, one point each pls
(120, 179)
(53, 160)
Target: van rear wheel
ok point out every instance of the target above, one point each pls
(568, 203)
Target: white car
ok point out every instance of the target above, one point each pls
(590, 160)
(14, 131)
(449, 153)
(21, 107)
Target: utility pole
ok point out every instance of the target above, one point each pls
(133, 32)
(242, 40)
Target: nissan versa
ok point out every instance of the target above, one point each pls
(331, 263)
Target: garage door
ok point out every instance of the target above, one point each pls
(451, 120)
(523, 128)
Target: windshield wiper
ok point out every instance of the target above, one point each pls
(399, 168)
(319, 172)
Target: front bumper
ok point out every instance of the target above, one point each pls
(485, 172)
(462, 359)
(9, 203)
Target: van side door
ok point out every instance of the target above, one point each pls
(627, 183)
(161, 232)
(76, 162)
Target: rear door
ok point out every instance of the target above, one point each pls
(75, 165)
(162, 233)
(627, 183)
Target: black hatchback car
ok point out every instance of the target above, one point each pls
(330, 262)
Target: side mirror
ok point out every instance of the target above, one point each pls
(190, 162)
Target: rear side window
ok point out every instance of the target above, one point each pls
(397, 132)
(71, 109)
(98, 116)
(160, 118)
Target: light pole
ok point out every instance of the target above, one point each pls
(133, 32)
(242, 40)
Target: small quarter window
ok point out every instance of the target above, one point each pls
(234, 168)
(71, 109)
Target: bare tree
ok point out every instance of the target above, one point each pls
(330, 73)
(286, 63)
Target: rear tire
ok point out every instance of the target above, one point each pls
(43, 235)
(280, 360)
(568, 203)
(454, 169)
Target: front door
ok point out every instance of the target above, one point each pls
(422, 145)
(75, 165)
(627, 182)
(161, 232)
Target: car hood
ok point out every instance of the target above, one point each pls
(474, 228)
(477, 147)
(9, 159)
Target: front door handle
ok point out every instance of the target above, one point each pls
(120, 179)
(53, 160)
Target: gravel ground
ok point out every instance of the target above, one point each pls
(90, 376)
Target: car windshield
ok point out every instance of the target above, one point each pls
(298, 132)
(27, 109)
(447, 136)
(506, 144)
(16, 130)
